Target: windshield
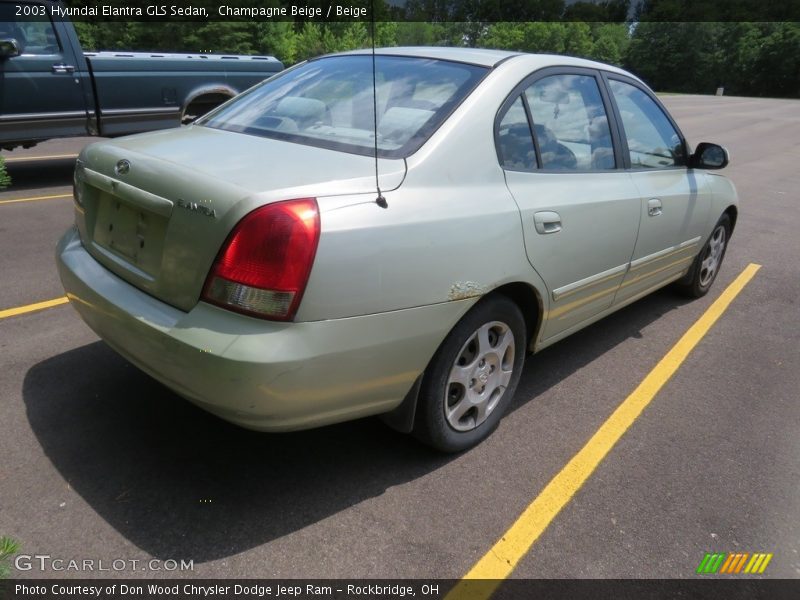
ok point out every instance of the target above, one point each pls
(329, 103)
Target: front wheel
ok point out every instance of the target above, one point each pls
(472, 377)
(707, 264)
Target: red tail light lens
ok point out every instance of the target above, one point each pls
(263, 267)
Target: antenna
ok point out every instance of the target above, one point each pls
(380, 200)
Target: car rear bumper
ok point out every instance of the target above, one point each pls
(259, 374)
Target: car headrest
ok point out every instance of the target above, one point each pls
(299, 108)
(401, 118)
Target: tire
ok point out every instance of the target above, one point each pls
(707, 263)
(472, 378)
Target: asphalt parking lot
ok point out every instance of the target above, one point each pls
(99, 461)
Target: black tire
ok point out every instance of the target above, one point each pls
(492, 320)
(699, 279)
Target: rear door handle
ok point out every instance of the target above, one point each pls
(547, 222)
(654, 207)
(62, 68)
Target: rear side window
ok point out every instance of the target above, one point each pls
(653, 142)
(514, 142)
(570, 123)
(329, 103)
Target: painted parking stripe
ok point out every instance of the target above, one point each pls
(30, 158)
(501, 559)
(35, 198)
(21, 310)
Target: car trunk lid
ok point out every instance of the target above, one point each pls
(157, 207)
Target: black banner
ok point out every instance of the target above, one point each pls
(374, 589)
(428, 11)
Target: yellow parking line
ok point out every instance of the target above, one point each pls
(35, 198)
(498, 563)
(29, 158)
(21, 310)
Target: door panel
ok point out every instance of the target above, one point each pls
(583, 262)
(580, 212)
(674, 203)
(670, 238)
(41, 95)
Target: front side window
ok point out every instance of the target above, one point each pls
(653, 142)
(570, 123)
(32, 28)
(329, 103)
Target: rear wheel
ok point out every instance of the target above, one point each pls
(707, 264)
(472, 377)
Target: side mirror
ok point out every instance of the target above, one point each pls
(9, 47)
(709, 156)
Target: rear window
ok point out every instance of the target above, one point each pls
(329, 103)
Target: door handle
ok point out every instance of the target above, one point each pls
(547, 222)
(62, 68)
(654, 207)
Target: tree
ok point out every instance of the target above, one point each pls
(610, 42)
(679, 57)
(757, 59)
(386, 33)
(416, 33)
(598, 12)
(5, 180)
(504, 36)
(578, 40)
(544, 37)
(600, 41)
(278, 39)
(776, 69)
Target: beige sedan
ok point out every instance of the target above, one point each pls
(390, 235)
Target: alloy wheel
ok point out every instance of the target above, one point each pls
(713, 256)
(480, 375)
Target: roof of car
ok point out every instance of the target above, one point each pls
(485, 57)
(477, 56)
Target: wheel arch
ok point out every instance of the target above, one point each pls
(215, 94)
(733, 214)
(529, 301)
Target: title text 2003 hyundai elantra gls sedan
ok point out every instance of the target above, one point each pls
(250, 263)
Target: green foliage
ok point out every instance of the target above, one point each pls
(610, 42)
(594, 12)
(600, 41)
(674, 56)
(386, 34)
(578, 40)
(732, 11)
(775, 69)
(415, 34)
(277, 38)
(754, 59)
(505, 36)
(5, 181)
(8, 546)
(760, 59)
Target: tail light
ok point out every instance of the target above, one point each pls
(78, 182)
(263, 266)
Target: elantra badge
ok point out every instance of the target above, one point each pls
(197, 207)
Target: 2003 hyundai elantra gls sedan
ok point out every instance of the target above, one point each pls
(266, 265)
